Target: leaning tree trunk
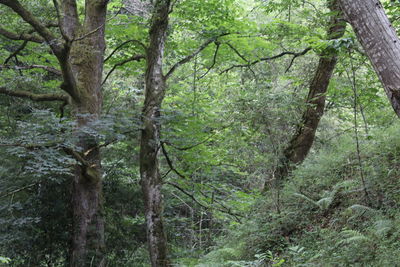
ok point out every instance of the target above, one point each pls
(301, 142)
(150, 144)
(380, 42)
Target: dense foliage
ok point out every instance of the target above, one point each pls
(228, 114)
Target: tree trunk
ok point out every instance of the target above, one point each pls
(150, 144)
(82, 67)
(380, 42)
(80, 54)
(301, 142)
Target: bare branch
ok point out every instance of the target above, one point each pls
(132, 58)
(34, 97)
(188, 194)
(294, 54)
(191, 56)
(238, 53)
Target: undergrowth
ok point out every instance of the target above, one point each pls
(326, 217)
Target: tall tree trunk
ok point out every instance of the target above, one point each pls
(303, 139)
(82, 67)
(86, 60)
(380, 42)
(80, 54)
(150, 144)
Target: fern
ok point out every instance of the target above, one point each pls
(351, 237)
(383, 227)
(358, 210)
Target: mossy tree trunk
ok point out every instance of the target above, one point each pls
(79, 51)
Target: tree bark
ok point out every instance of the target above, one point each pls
(380, 42)
(303, 139)
(85, 62)
(80, 54)
(150, 144)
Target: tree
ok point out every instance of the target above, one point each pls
(380, 42)
(303, 139)
(150, 144)
(79, 52)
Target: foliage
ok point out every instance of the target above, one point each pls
(225, 123)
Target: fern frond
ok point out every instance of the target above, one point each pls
(383, 227)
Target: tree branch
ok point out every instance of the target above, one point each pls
(23, 36)
(214, 60)
(191, 196)
(191, 146)
(28, 17)
(16, 52)
(294, 54)
(132, 58)
(191, 56)
(123, 44)
(34, 97)
(169, 162)
(171, 166)
(96, 29)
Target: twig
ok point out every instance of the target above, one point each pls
(354, 87)
(169, 162)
